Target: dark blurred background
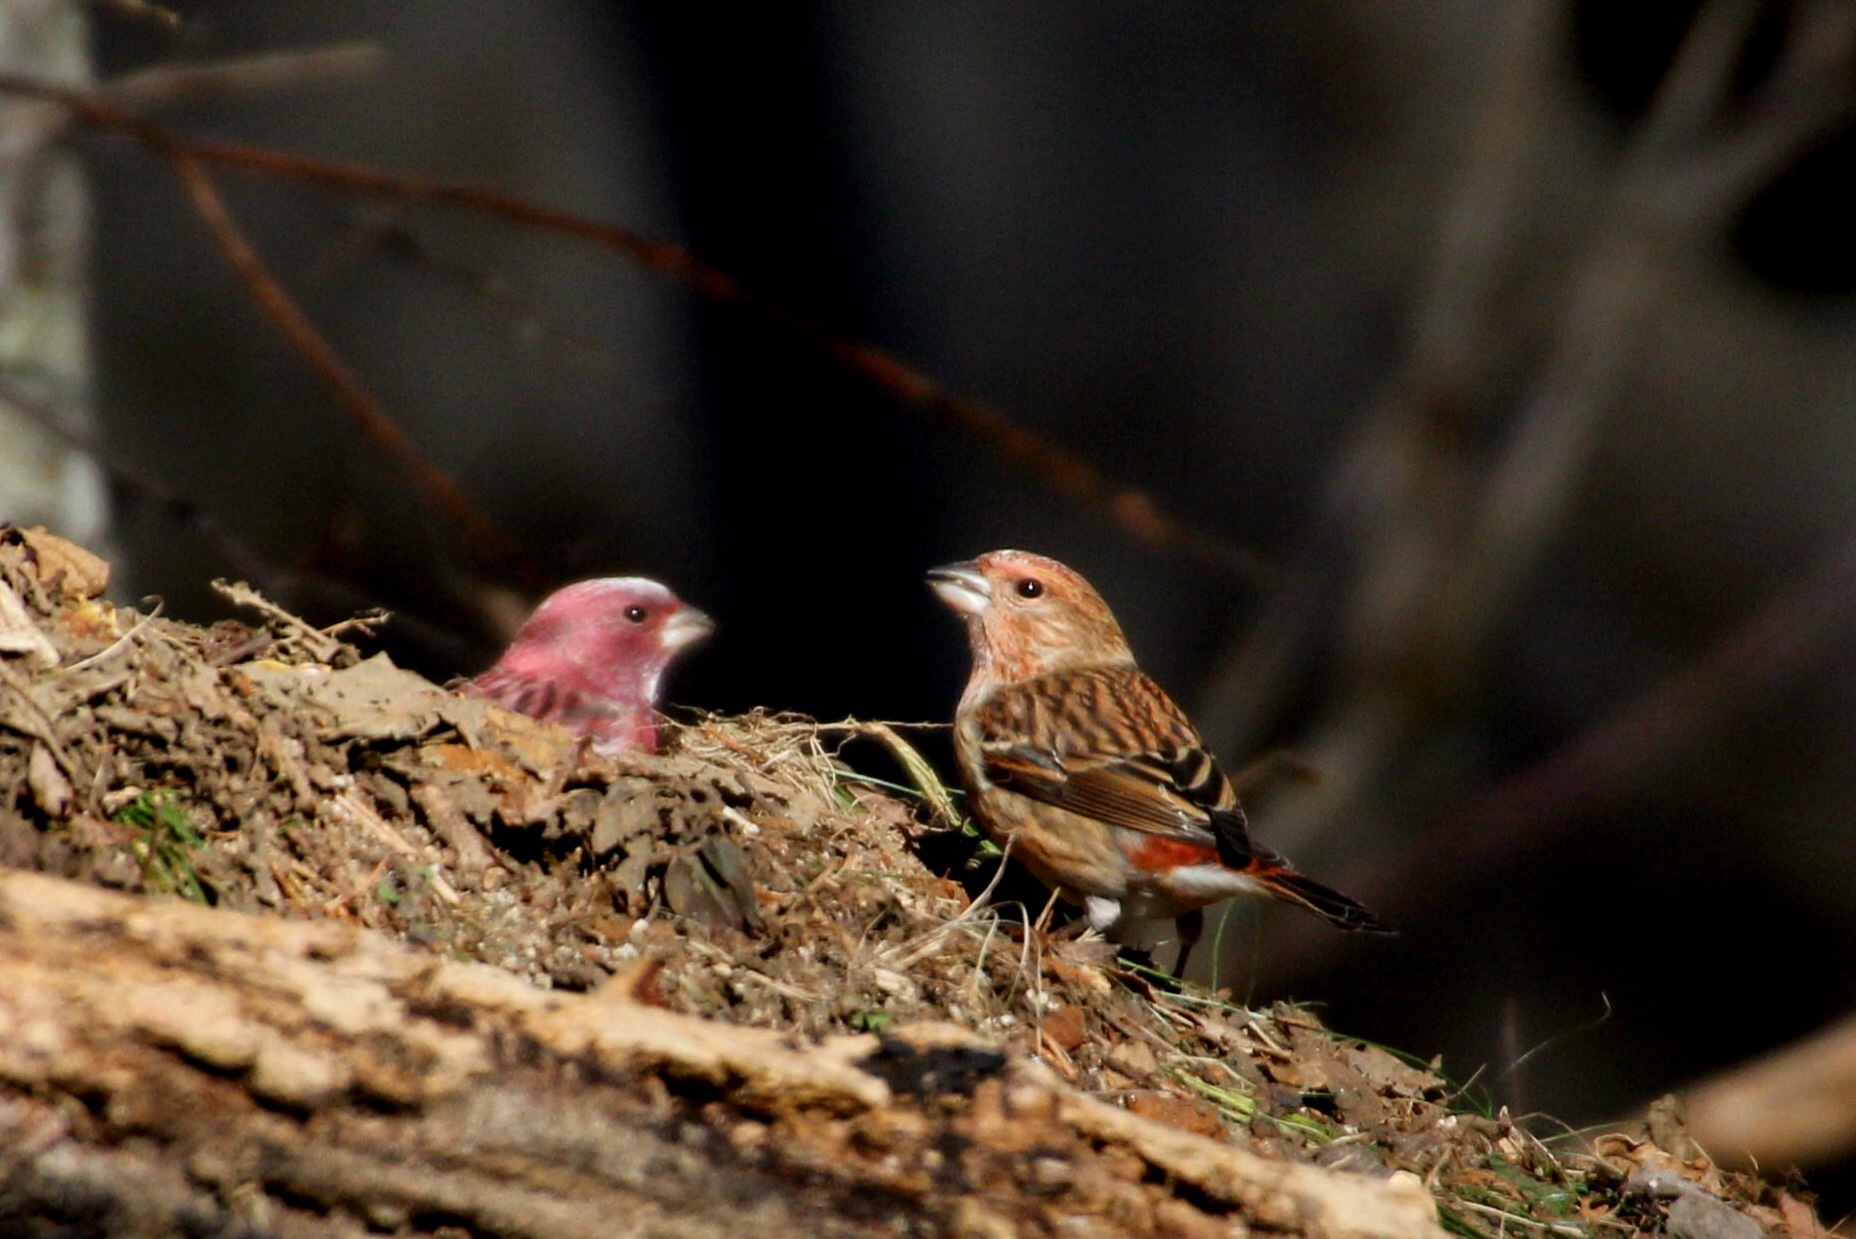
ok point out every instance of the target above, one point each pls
(1508, 349)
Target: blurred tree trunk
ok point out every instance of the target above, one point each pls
(45, 477)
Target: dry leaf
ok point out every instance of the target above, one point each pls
(1390, 1074)
(542, 747)
(462, 759)
(1134, 1058)
(51, 791)
(1800, 1218)
(1185, 1113)
(1083, 976)
(375, 700)
(19, 636)
(1066, 1028)
(65, 568)
(92, 619)
(1306, 1075)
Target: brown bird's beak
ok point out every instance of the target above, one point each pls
(962, 587)
(686, 626)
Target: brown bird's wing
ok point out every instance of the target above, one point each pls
(1111, 745)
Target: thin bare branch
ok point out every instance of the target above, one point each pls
(146, 486)
(1694, 92)
(1398, 456)
(144, 10)
(1131, 510)
(367, 413)
(1448, 542)
(271, 72)
(1475, 243)
(1659, 208)
(1627, 750)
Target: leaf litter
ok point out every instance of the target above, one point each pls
(748, 874)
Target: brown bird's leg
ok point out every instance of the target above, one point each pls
(1189, 926)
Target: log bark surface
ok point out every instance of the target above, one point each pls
(167, 1068)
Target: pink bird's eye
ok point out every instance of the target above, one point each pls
(637, 615)
(1030, 587)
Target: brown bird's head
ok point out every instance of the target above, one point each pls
(1027, 615)
(611, 638)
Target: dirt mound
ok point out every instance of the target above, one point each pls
(751, 874)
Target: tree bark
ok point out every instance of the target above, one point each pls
(45, 476)
(167, 1068)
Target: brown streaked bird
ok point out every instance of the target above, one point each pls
(592, 658)
(1099, 780)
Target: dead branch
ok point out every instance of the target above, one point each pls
(161, 1061)
(1627, 749)
(1408, 441)
(1793, 1107)
(147, 486)
(367, 413)
(144, 10)
(1131, 510)
(1446, 540)
(166, 85)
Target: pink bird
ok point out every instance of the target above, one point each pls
(592, 658)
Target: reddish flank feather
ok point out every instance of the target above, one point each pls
(1097, 778)
(592, 658)
(1157, 854)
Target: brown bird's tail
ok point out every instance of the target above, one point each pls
(1272, 871)
(1330, 905)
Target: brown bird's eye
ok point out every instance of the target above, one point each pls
(1030, 587)
(636, 615)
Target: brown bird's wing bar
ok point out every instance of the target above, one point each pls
(1108, 744)
(1134, 793)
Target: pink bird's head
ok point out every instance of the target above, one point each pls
(592, 657)
(1028, 615)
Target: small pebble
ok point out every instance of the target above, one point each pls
(1697, 1215)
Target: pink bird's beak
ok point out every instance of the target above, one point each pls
(686, 626)
(962, 587)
